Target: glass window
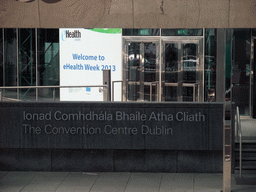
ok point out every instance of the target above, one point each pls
(10, 57)
(182, 32)
(141, 32)
(228, 58)
(253, 32)
(10, 61)
(48, 61)
(27, 64)
(210, 64)
(241, 69)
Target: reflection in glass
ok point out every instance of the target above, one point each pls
(27, 64)
(241, 64)
(142, 68)
(48, 61)
(141, 32)
(150, 71)
(182, 32)
(189, 63)
(133, 61)
(150, 62)
(10, 57)
(10, 52)
(171, 71)
(210, 63)
(189, 60)
(133, 70)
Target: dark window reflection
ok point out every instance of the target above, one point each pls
(140, 32)
(182, 32)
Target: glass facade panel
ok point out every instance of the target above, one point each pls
(189, 59)
(182, 32)
(210, 65)
(134, 70)
(228, 87)
(27, 64)
(141, 71)
(171, 72)
(150, 88)
(141, 32)
(253, 32)
(10, 68)
(241, 69)
(48, 61)
(10, 52)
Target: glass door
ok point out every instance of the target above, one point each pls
(141, 70)
(182, 71)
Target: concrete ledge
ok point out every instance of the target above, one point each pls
(95, 160)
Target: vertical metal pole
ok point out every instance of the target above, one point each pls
(3, 62)
(240, 154)
(150, 93)
(107, 81)
(220, 97)
(122, 91)
(220, 67)
(36, 65)
(159, 88)
(17, 48)
(113, 92)
(0, 95)
(194, 92)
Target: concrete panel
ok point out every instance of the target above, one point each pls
(25, 160)
(181, 14)
(82, 160)
(129, 160)
(199, 162)
(119, 14)
(242, 14)
(145, 160)
(14, 14)
(66, 13)
(213, 14)
(161, 161)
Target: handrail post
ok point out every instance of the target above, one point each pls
(239, 134)
(113, 92)
(53, 94)
(227, 146)
(240, 154)
(107, 83)
(194, 93)
(1, 95)
(150, 93)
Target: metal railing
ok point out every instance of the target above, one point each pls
(105, 87)
(239, 138)
(151, 88)
(194, 85)
(150, 84)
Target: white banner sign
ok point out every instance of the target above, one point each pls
(84, 54)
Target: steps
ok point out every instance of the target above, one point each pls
(248, 154)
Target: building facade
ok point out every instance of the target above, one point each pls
(158, 64)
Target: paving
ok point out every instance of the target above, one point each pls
(116, 181)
